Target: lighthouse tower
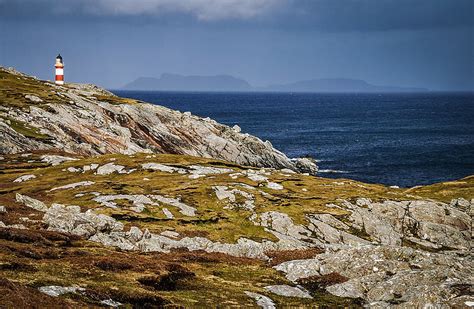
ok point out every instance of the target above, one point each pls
(59, 70)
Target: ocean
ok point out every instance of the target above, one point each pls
(400, 139)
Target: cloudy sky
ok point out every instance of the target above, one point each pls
(419, 43)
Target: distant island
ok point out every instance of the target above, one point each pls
(338, 85)
(175, 82)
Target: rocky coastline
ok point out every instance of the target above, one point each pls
(87, 120)
(110, 202)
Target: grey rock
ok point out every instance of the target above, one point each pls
(163, 168)
(55, 291)
(351, 289)
(199, 170)
(168, 214)
(3, 209)
(33, 98)
(138, 200)
(225, 193)
(263, 301)
(297, 269)
(306, 165)
(90, 167)
(109, 168)
(74, 185)
(70, 219)
(111, 303)
(55, 160)
(183, 208)
(170, 234)
(13, 226)
(114, 240)
(135, 234)
(31, 202)
(282, 226)
(288, 291)
(274, 186)
(24, 178)
(256, 175)
(73, 169)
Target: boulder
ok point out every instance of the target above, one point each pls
(288, 291)
(262, 300)
(388, 274)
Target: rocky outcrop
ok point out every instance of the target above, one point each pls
(428, 224)
(85, 119)
(109, 232)
(386, 276)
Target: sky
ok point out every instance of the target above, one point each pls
(412, 43)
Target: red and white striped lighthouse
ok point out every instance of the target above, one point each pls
(59, 70)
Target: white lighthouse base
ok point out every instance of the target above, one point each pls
(59, 82)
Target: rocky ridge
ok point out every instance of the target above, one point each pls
(87, 120)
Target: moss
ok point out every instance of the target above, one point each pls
(115, 100)
(24, 129)
(13, 89)
(319, 283)
(278, 257)
(174, 279)
(446, 191)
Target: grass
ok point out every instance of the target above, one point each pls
(13, 89)
(25, 129)
(446, 191)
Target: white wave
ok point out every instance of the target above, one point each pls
(333, 172)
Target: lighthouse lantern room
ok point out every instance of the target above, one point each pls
(59, 70)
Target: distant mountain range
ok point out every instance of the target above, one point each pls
(175, 82)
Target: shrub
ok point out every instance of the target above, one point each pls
(318, 283)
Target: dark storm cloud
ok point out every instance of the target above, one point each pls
(380, 15)
(201, 10)
(415, 43)
(322, 15)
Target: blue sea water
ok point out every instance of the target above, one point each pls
(394, 139)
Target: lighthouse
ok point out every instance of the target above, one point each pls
(59, 70)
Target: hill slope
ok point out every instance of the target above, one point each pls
(196, 232)
(85, 119)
